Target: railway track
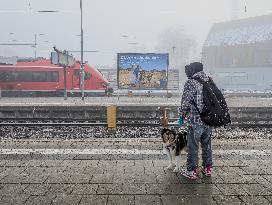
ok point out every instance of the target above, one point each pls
(135, 124)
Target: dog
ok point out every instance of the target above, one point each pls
(173, 144)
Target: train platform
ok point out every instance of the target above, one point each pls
(233, 101)
(129, 171)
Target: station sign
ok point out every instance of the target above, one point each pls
(62, 58)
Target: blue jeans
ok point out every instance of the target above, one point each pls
(199, 133)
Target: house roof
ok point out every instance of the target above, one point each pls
(244, 31)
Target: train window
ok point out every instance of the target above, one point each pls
(27, 76)
(24, 77)
(2, 76)
(39, 76)
(76, 73)
(54, 76)
(6, 76)
(87, 76)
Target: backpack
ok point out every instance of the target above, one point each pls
(215, 111)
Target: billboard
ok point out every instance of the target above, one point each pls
(142, 71)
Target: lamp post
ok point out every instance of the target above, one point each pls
(173, 57)
(173, 47)
(65, 77)
(35, 43)
(81, 61)
(64, 59)
(81, 42)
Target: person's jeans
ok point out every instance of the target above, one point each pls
(199, 133)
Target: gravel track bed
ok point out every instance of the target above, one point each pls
(75, 132)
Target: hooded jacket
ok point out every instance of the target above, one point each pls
(193, 93)
(193, 68)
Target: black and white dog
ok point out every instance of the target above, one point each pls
(173, 144)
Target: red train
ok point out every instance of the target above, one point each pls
(41, 78)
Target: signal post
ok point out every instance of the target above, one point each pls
(64, 59)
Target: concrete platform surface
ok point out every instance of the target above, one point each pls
(129, 171)
(123, 100)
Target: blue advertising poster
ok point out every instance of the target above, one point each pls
(142, 71)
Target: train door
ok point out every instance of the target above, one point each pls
(87, 78)
(76, 80)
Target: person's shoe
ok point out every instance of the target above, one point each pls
(189, 174)
(207, 171)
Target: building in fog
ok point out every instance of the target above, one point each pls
(238, 54)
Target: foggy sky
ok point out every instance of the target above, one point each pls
(106, 21)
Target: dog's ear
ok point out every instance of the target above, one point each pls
(163, 139)
(173, 133)
(162, 135)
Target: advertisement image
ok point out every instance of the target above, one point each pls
(142, 71)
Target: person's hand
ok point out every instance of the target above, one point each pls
(180, 121)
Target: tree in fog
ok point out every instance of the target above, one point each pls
(178, 43)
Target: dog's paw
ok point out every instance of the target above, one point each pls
(176, 169)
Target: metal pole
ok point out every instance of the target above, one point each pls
(81, 64)
(35, 45)
(173, 57)
(65, 88)
(167, 77)
(65, 77)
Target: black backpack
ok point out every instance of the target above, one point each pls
(215, 111)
